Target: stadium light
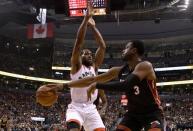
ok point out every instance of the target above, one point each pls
(18, 76)
(156, 69)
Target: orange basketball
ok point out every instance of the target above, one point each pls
(46, 97)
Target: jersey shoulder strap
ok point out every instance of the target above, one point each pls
(123, 69)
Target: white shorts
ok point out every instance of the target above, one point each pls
(86, 115)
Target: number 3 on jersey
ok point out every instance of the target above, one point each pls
(136, 90)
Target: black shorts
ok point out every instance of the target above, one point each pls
(147, 121)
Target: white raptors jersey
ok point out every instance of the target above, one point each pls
(79, 95)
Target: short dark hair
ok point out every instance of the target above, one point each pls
(139, 45)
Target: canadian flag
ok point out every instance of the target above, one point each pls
(40, 30)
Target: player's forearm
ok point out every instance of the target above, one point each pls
(112, 86)
(80, 83)
(123, 86)
(104, 104)
(82, 30)
(98, 37)
(103, 97)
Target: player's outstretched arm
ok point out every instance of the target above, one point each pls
(105, 77)
(82, 83)
(142, 70)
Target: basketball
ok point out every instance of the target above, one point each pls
(46, 97)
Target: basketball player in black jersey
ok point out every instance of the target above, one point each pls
(138, 81)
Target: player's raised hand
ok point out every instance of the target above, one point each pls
(89, 10)
(91, 91)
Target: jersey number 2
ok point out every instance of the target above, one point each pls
(136, 89)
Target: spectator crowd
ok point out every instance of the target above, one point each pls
(17, 107)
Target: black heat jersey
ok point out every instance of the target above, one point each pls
(142, 98)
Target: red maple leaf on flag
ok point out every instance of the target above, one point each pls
(40, 29)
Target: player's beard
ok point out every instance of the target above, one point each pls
(86, 63)
(125, 58)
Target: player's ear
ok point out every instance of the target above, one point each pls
(134, 50)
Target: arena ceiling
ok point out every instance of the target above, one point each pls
(16, 14)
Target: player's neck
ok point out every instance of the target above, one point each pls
(87, 66)
(133, 62)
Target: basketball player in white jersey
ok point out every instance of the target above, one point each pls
(82, 112)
